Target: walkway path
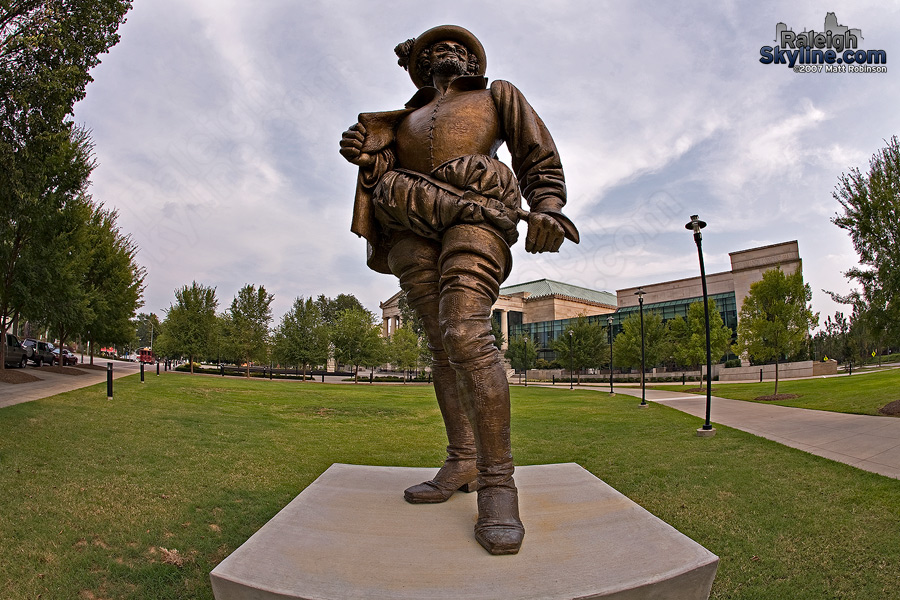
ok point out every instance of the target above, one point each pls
(866, 442)
(53, 383)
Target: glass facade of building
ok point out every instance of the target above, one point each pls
(544, 332)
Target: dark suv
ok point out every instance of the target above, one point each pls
(39, 352)
(15, 353)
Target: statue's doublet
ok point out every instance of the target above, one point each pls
(456, 123)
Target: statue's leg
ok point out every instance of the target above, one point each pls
(473, 263)
(413, 260)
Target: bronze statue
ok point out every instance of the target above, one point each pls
(439, 211)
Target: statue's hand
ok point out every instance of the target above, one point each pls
(351, 146)
(544, 234)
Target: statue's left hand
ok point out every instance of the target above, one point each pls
(545, 234)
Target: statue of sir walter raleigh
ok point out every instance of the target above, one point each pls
(439, 211)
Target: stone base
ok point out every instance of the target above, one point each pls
(350, 534)
(706, 432)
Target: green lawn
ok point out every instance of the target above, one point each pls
(93, 490)
(860, 393)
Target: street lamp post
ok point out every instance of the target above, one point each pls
(640, 295)
(609, 321)
(571, 359)
(696, 225)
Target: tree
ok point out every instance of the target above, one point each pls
(775, 318)
(190, 323)
(627, 345)
(47, 48)
(302, 337)
(521, 354)
(246, 325)
(38, 218)
(688, 336)
(147, 329)
(589, 347)
(356, 339)
(871, 215)
(402, 348)
(332, 307)
(113, 281)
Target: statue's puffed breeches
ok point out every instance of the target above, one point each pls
(474, 189)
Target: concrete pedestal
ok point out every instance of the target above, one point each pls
(351, 535)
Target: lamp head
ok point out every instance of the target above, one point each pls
(695, 224)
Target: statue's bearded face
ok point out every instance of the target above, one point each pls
(449, 58)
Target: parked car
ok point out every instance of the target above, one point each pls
(16, 356)
(38, 352)
(68, 357)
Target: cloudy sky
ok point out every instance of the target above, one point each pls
(217, 123)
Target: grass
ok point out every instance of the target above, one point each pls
(105, 499)
(861, 394)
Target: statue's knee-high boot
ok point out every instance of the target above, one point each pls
(486, 396)
(459, 471)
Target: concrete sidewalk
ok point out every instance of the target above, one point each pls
(53, 383)
(865, 442)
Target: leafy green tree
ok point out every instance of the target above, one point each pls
(356, 339)
(688, 336)
(246, 325)
(775, 318)
(190, 323)
(113, 281)
(47, 48)
(301, 338)
(627, 345)
(147, 329)
(497, 332)
(589, 347)
(871, 215)
(39, 218)
(332, 307)
(408, 316)
(521, 354)
(402, 348)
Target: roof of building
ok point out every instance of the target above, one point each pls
(548, 287)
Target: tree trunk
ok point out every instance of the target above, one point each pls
(191, 358)
(3, 345)
(356, 374)
(304, 371)
(776, 377)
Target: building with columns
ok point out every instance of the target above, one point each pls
(542, 310)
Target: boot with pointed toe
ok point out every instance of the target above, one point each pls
(459, 471)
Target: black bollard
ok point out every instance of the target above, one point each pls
(142, 372)
(109, 395)
(683, 379)
(760, 375)
(323, 377)
(222, 370)
(157, 368)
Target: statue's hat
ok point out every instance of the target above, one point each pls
(414, 47)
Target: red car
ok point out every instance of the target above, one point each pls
(68, 357)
